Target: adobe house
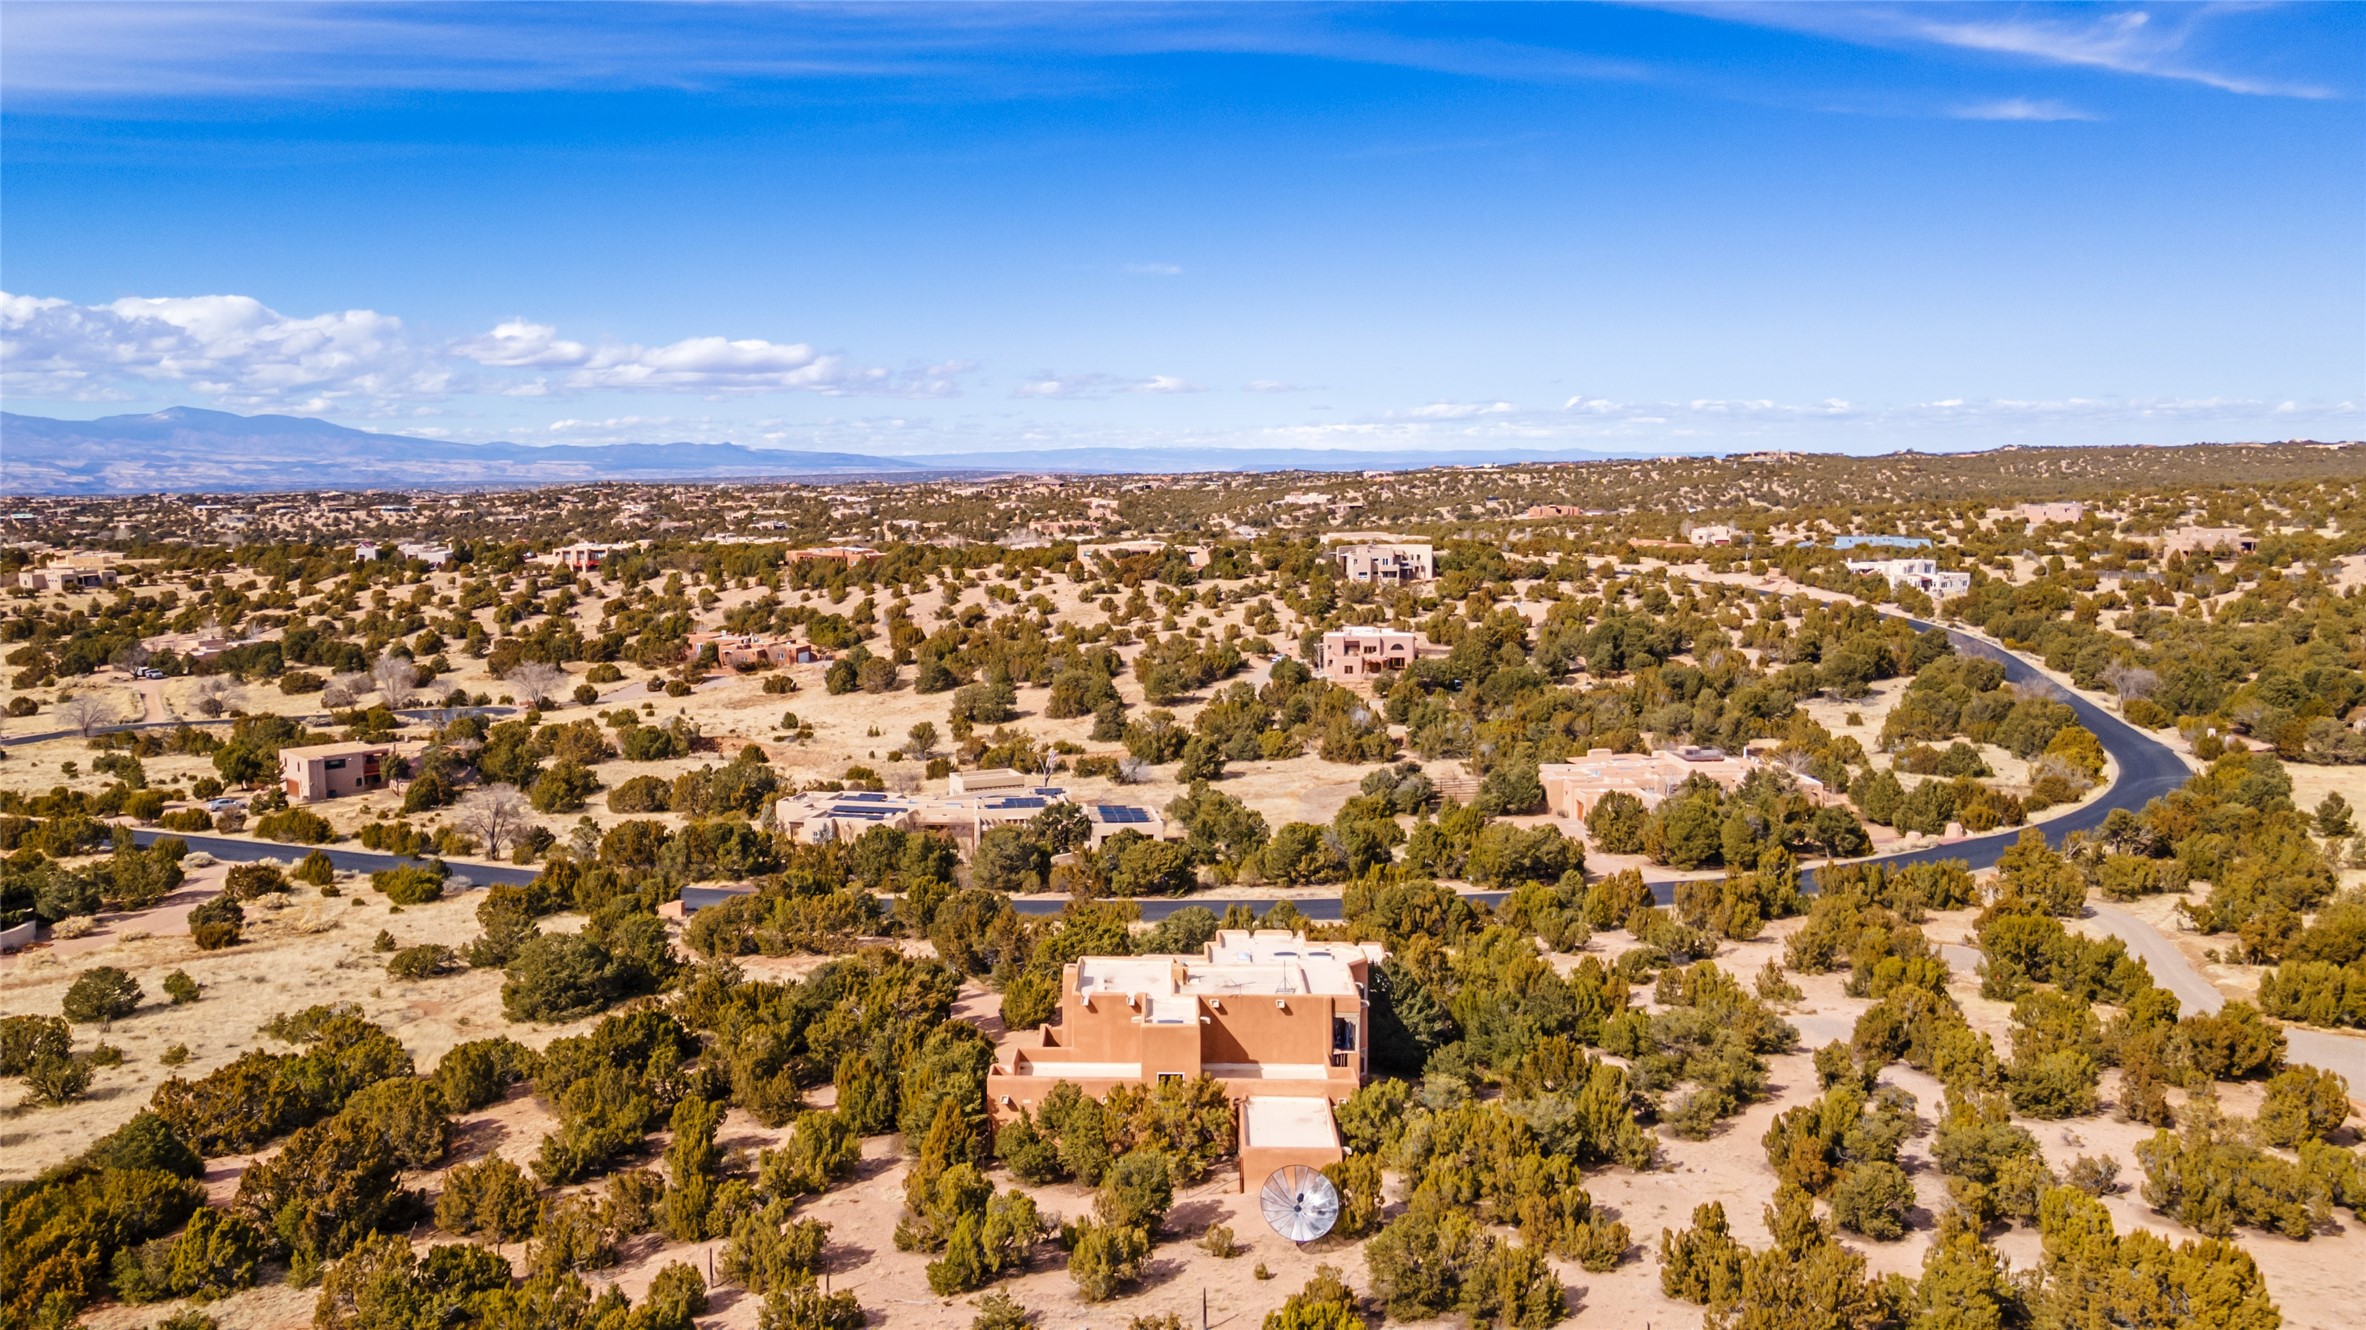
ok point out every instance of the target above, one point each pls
(1571, 789)
(1389, 565)
(1282, 1023)
(332, 771)
(1365, 653)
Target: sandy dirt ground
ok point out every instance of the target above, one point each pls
(2316, 1283)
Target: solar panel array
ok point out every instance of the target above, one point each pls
(1120, 813)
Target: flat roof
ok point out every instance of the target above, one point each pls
(1302, 1121)
(349, 748)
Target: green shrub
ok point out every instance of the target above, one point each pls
(2214, 1183)
(103, 994)
(476, 1073)
(245, 882)
(1104, 1259)
(56, 1080)
(425, 961)
(299, 826)
(1873, 1199)
(25, 1040)
(810, 1309)
(411, 884)
(1325, 1303)
(217, 923)
(2303, 1104)
(492, 1198)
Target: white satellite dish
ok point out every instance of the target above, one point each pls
(1299, 1203)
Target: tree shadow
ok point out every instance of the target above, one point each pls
(474, 1139)
(1193, 1216)
(840, 1257)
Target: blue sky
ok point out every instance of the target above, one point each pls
(938, 228)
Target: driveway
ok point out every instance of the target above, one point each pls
(2344, 1054)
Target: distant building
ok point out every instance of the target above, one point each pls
(1923, 575)
(434, 556)
(2067, 512)
(988, 780)
(204, 644)
(1196, 555)
(981, 802)
(1571, 789)
(850, 555)
(333, 771)
(1712, 535)
(1554, 510)
(1391, 565)
(748, 651)
(1365, 653)
(1281, 1022)
(2213, 540)
(70, 572)
(585, 556)
(1880, 542)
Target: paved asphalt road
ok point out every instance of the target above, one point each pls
(2147, 768)
(2342, 1053)
(437, 714)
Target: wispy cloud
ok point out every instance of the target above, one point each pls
(2173, 43)
(262, 50)
(1460, 410)
(2021, 108)
(1155, 269)
(1050, 385)
(1273, 386)
(2127, 41)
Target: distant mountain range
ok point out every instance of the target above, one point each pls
(185, 449)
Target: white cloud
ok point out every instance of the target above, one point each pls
(2020, 108)
(1461, 410)
(241, 353)
(1050, 384)
(1154, 269)
(522, 344)
(697, 364)
(232, 348)
(1273, 386)
(1165, 383)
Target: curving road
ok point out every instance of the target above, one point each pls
(2147, 767)
(239, 850)
(2341, 1053)
(440, 715)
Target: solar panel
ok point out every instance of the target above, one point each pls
(1120, 813)
(1017, 803)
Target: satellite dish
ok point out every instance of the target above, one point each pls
(1299, 1203)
